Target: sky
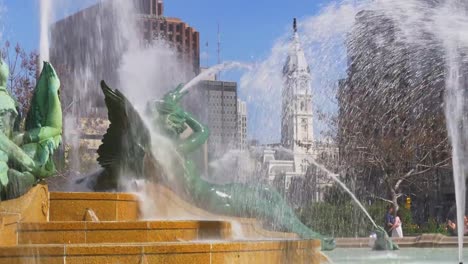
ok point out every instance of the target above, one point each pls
(248, 29)
(19, 19)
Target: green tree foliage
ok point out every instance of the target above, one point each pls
(341, 220)
(345, 219)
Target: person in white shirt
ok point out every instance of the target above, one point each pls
(397, 230)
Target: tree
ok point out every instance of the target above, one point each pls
(23, 74)
(391, 125)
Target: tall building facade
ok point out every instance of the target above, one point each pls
(241, 124)
(297, 113)
(215, 103)
(150, 7)
(153, 25)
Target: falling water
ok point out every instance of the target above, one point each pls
(452, 22)
(456, 42)
(457, 124)
(336, 178)
(45, 16)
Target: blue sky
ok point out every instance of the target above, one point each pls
(19, 19)
(249, 28)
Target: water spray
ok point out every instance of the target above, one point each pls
(213, 70)
(46, 11)
(335, 177)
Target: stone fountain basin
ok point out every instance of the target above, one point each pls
(43, 227)
(209, 252)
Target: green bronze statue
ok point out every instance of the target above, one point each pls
(26, 157)
(132, 141)
(383, 241)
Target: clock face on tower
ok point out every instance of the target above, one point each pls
(302, 87)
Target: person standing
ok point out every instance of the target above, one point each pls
(397, 230)
(389, 220)
(451, 227)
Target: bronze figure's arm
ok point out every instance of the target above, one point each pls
(197, 138)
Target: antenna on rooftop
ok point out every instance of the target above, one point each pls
(207, 55)
(219, 51)
(219, 45)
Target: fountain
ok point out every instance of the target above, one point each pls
(145, 151)
(75, 213)
(127, 148)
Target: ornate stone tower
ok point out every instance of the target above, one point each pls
(297, 114)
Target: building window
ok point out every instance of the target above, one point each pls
(144, 6)
(160, 9)
(153, 7)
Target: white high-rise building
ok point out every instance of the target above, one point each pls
(297, 113)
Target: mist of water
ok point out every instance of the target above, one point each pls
(144, 80)
(234, 166)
